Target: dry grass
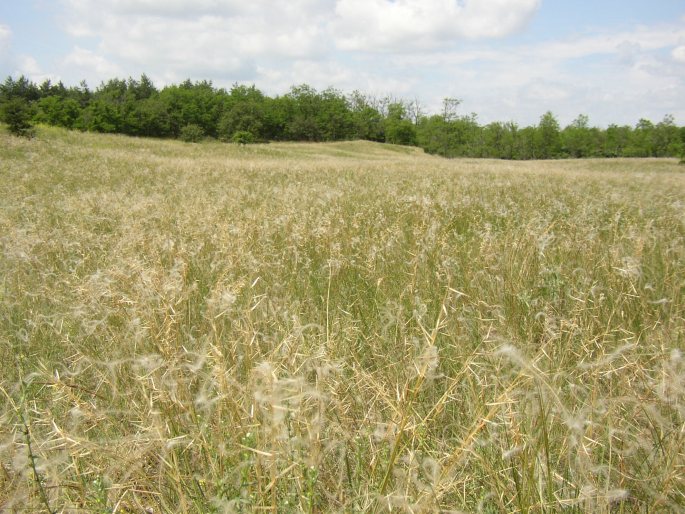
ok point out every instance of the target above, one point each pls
(337, 327)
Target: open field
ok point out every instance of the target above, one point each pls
(342, 327)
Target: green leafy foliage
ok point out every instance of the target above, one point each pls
(20, 88)
(243, 137)
(191, 133)
(399, 129)
(547, 137)
(136, 107)
(193, 104)
(17, 113)
(244, 111)
(58, 111)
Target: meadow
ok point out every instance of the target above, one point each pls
(337, 327)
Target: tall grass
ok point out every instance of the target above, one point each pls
(337, 328)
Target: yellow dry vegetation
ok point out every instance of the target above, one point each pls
(344, 327)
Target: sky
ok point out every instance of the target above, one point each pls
(615, 61)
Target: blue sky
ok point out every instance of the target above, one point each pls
(616, 61)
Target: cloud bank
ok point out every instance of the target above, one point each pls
(214, 37)
(380, 25)
(424, 49)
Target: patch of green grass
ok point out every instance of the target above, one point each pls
(336, 327)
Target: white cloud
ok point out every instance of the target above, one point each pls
(211, 26)
(233, 38)
(29, 66)
(5, 41)
(322, 74)
(372, 25)
(678, 53)
(178, 39)
(172, 7)
(620, 43)
(91, 66)
(615, 76)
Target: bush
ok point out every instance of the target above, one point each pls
(400, 132)
(192, 133)
(243, 137)
(17, 113)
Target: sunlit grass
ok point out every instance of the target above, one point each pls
(337, 327)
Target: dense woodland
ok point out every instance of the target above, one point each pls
(195, 110)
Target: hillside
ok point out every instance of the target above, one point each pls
(337, 327)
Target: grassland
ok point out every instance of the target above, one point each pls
(345, 327)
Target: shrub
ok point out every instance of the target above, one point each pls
(243, 137)
(17, 113)
(192, 133)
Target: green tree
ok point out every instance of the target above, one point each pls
(616, 139)
(450, 107)
(467, 136)
(19, 88)
(277, 114)
(141, 89)
(241, 117)
(495, 140)
(433, 135)
(642, 141)
(58, 110)
(244, 111)
(667, 138)
(148, 117)
(302, 106)
(527, 147)
(193, 104)
(439, 133)
(577, 137)
(399, 129)
(367, 121)
(82, 94)
(47, 89)
(510, 141)
(17, 112)
(547, 137)
(101, 115)
(334, 116)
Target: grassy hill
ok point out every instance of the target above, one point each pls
(337, 327)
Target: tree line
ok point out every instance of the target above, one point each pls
(192, 111)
